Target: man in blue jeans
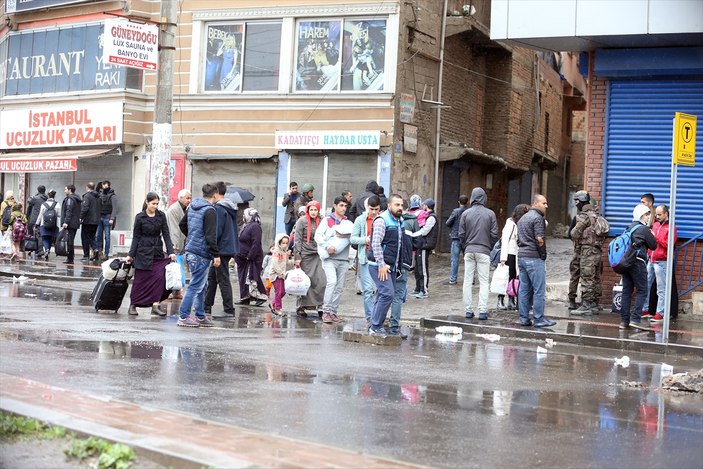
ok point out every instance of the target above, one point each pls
(201, 250)
(453, 225)
(532, 252)
(108, 215)
(384, 260)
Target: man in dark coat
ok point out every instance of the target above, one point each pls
(357, 209)
(108, 215)
(70, 218)
(33, 209)
(228, 245)
(90, 219)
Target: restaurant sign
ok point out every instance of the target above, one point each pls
(15, 6)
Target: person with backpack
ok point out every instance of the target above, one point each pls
(108, 216)
(90, 219)
(48, 220)
(6, 210)
(18, 225)
(453, 225)
(588, 235)
(633, 266)
(70, 218)
(33, 208)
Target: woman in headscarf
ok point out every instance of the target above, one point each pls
(306, 258)
(146, 254)
(249, 259)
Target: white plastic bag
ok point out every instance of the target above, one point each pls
(499, 282)
(174, 278)
(297, 283)
(6, 242)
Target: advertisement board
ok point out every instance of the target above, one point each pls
(15, 6)
(131, 44)
(61, 126)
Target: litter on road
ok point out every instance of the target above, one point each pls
(491, 337)
(449, 330)
(623, 361)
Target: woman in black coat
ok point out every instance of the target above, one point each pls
(249, 259)
(147, 255)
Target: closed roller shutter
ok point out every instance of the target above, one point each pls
(638, 150)
(257, 176)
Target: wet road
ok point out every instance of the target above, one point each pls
(469, 403)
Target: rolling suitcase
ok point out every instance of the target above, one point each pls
(109, 293)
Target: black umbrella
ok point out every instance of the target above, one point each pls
(238, 195)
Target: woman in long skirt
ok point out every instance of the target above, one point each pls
(147, 256)
(306, 258)
(249, 260)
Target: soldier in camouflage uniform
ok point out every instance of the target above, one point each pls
(574, 271)
(587, 246)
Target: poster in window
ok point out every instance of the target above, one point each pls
(223, 57)
(317, 67)
(364, 55)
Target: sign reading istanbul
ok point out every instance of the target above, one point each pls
(13, 6)
(61, 126)
(131, 44)
(328, 140)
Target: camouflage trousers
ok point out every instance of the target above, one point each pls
(590, 269)
(574, 273)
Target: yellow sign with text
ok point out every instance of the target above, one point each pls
(684, 139)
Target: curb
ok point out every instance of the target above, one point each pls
(630, 345)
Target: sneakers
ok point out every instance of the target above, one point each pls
(656, 318)
(545, 323)
(645, 314)
(469, 315)
(397, 333)
(327, 318)
(204, 322)
(378, 331)
(638, 325)
(422, 295)
(624, 325)
(482, 316)
(451, 282)
(187, 322)
(415, 292)
(572, 304)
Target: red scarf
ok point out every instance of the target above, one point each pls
(312, 203)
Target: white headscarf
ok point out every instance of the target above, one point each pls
(251, 215)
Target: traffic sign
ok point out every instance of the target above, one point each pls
(684, 139)
(134, 45)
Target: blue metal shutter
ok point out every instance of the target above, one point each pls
(637, 150)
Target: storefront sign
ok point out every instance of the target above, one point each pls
(60, 60)
(133, 45)
(321, 140)
(13, 6)
(407, 107)
(61, 126)
(410, 138)
(20, 165)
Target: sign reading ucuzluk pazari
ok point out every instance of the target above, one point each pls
(61, 126)
(130, 44)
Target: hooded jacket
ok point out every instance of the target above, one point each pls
(358, 208)
(227, 235)
(201, 223)
(642, 239)
(661, 234)
(108, 204)
(90, 208)
(478, 227)
(33, 208)
(279, 263)
(71, 211)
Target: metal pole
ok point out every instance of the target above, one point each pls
(670, 247)
(160, 168)
(439, 100)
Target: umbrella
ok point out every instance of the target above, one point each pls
(238, 195)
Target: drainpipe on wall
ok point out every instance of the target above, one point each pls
(439, 99)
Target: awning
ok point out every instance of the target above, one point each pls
(47, 161)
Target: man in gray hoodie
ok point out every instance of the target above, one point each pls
(478, 232)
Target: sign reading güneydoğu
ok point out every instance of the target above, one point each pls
(13, 6)
(131, 44)
(67, 59)
(61, 126)
(321, 139)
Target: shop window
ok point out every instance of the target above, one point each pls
(255, 45)
(330, 58)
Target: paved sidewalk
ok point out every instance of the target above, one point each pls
(185, 440)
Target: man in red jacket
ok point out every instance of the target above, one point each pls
(656, 268)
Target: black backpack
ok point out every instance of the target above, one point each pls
(7, 215)
(50, 217)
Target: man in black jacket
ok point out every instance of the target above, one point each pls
(428, 232)
(70, 218)
(90, 219)
(33, 209)
(108, 215)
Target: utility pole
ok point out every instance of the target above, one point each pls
(160, 168)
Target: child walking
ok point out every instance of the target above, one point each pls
(18, 225)
(280, 263)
